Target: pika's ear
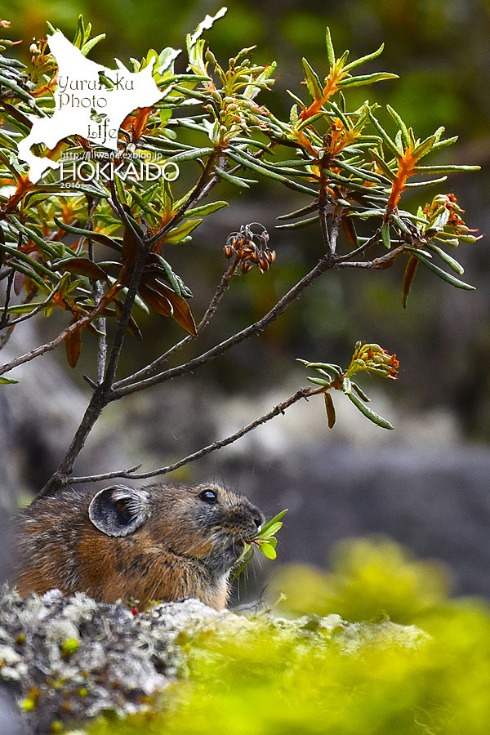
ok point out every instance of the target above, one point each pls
(118, 510)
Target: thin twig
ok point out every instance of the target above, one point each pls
(122, 214)
(208, 315)
(39, 307)
(62, 336)
(384, 261)
(253, 329)
(132, 475)
(219, 293)
(102, 342)
(334, 233)
(117, 474)
(5, 323)
(5, 336)
(102, 393)
(361, 249)
(323, 215)
(4, 320)
(206, 182)
(98, 291)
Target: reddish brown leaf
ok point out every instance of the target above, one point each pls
(155, 299)
(166, 302)
(408, 276)
(19, 281)
(182, 313)
(330, 409)
(82, 267)
(129, 249)
(73, 345)
(348, 228)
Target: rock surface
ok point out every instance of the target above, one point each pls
(67, 660)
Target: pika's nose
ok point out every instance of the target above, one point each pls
(258, 518)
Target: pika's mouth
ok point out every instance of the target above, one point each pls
(238, 545)
(227, 550)
(236, 548)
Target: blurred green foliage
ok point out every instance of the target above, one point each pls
(387, 681)
(370, 578)
(438, 47)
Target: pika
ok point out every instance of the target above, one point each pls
(159, 542)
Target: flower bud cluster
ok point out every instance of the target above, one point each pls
(444, 216)
(373, 358)
(251, 248)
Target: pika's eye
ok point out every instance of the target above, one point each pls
(209, 496)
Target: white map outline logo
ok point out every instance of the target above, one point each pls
(90, 100)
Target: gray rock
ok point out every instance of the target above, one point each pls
(67, 660)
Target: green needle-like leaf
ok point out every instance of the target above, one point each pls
(232, 179)
(363, 79)
(439, 272)
(452, 262)
(330, 49)
(369, 413)
(364, 59)
(312, 81)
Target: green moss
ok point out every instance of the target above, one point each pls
(270, 686)
(374, 679)
(70, 646)
(28, 704)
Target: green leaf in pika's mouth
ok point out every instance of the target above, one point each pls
(265, 541)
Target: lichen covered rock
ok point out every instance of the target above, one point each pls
(65, 661)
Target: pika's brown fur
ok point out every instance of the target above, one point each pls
(160, 542)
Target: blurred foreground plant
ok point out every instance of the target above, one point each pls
(99, 246)
(316, 675)
(370, 579)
